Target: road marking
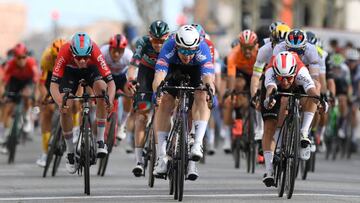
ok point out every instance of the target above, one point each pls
(165, 196)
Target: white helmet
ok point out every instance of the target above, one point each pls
(352, 54)
(187, 36)
(284, 64)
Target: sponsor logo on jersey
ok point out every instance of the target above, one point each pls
(59, 64)
(102, 62)
(162, 62)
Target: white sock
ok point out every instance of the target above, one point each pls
(69, 142)
(129, 137)
(139, 155)
(268, 155)
(200, 129)
(322, 132)
(192, 131)
(227, 132)
(100, 124)
(162, 137)
(124, 117)
(259, 126)
(157, 150)
(307, 119)
(211, 135)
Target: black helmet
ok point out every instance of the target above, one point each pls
(311, 37)
(158, 29)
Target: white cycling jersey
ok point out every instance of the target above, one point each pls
(263, 57)
(310, 57)
(120, 66)
(302, 78)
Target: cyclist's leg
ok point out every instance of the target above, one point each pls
(343, 107)
(120, 82)
(130, 131)
(227, 123)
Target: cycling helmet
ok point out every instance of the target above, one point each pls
(200, 29)
(158, 29)
(284, 64)
(273, 25)
(280, 32)
(81, 44)
(311, 37)
(248, 38)
(352, 54)
(56, 45)
(296, 39)
(187, 37)
(118, 41)
(20, 49)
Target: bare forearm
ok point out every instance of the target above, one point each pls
(159, 76)
(254, 84)
(131, 73)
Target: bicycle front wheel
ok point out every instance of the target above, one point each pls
(86, 149)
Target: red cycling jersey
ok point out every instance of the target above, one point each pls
(66, 58)
(28, 72)
(212, 49)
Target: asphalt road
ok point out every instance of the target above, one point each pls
(333, 181)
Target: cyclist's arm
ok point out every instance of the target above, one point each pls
(269, 81)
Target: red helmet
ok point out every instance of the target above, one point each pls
(248, 38)
(118, 41)
(20, 49)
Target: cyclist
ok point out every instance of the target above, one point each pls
(240, 63)
(342, 77)
(186, 53)
(296, 41)
(118, 56)
(286, 72)
(81, 59)
(47, 63)
(277, 35)
(21, 73)
(144, 59)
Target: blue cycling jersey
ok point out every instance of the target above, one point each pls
(168, 55)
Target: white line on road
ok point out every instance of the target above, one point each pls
(164, 196)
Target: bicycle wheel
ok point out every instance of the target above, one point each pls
(280, 162)
(86, 149)
(59, 149)
(12, 142)
(292, 156)
(50, 154)
(305, 167)
(312, 161)
(183, 158)
(152, 156)
(56, 165)
(236, 151)
(203, 159)
(110, 143)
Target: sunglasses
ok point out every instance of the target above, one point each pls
(157, 40)
(288, 78)
(187, 52)
(78, 58)
(298, 51)
(21, 57)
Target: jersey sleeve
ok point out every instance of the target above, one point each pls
(167, 51)
(100, 63)
(44, 65)
(313, 58)
(60, 63)
(139, 51)
(205, 59)
(8, 71)
(303, 79)
(260, 61)
(34, 70)
(270, 79)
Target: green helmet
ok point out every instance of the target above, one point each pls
(158, 29)
(336, 60)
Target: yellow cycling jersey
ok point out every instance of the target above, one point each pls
(47, 63)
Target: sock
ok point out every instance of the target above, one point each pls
(162, 137)
(322, 132)
(157, 150)
(124, 117)
(211, 136)
(192, 131)
(129, 137)
(139, 155)
(45, 141)
(100, 123)
(268, 155)
(200, 128)
(259, 126)
(308, 117)
(69, 141)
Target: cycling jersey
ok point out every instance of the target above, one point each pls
(47, 63)
(120, 66)
(29, 72)
(237, 60)
(302, 76)
(66, 59)
(144, 54)
(168, 55)
(263, 58)
(323, 54)
(310, 57)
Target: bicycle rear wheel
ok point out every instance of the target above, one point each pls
(56, 165)
(236, 151)
(50, 154)
(110, 143)
(183, 159)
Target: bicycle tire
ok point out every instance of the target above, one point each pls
(110, 143)
(59, 149)
(152, 155)
(236, 152)
(50, 154)
(281, 168)
(13, 138)
(312, 161)
(183, 158)
(86, 149)
(292, 160)
(305, 167)
(56, 165)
